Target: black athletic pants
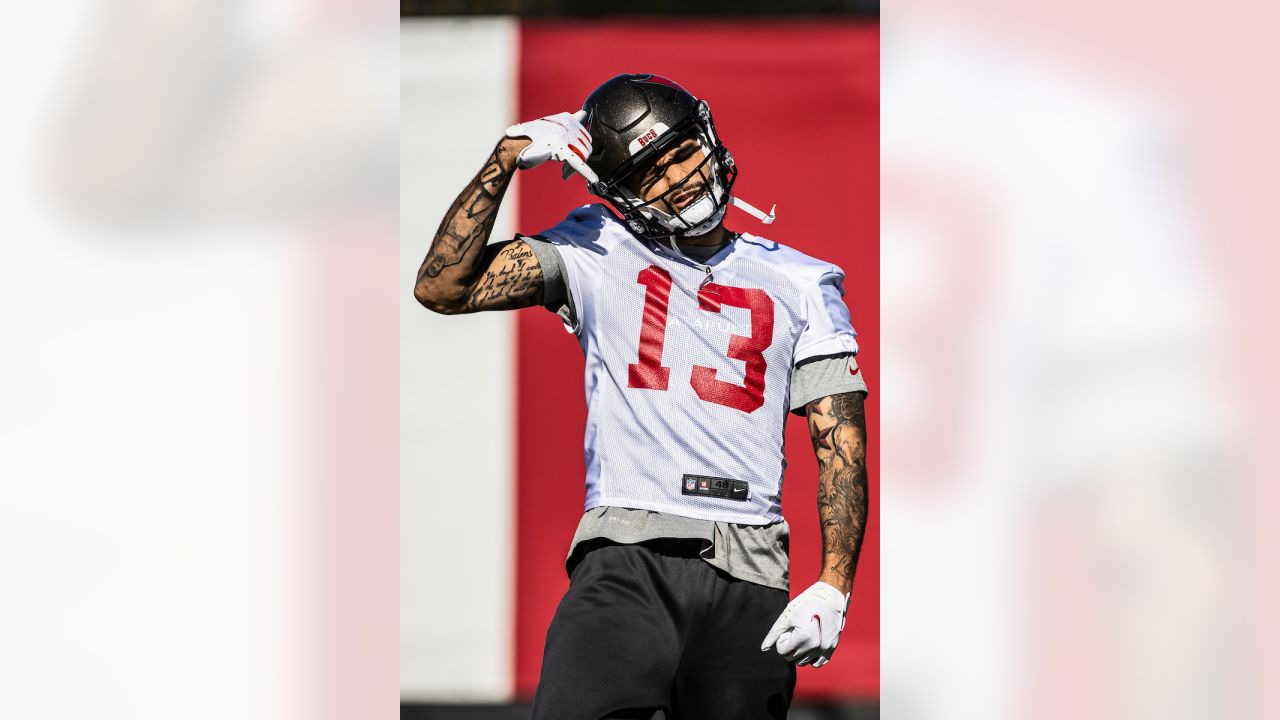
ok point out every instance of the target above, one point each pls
(642, 628)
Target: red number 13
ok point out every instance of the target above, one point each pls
(650, 374)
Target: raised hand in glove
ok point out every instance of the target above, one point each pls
(555, 137)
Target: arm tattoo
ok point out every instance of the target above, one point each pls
(467, 225)
(838, 428)
(513, 280)
(462, 273)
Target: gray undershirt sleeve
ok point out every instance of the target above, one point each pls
(555, 291)
(822, 377)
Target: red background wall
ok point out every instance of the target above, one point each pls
(798, 105)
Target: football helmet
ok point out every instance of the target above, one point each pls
(635, 119)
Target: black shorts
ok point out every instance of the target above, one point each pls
(643, 628)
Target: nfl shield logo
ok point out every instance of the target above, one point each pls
(688, 484)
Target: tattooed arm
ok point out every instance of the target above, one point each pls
(837, 425)
(462, 273)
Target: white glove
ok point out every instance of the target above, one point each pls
(808, 630)
(555, 137)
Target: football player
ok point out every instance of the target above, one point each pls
(698, 342)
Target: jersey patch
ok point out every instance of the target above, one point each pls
(714, 487)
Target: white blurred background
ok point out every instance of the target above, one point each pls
(457, 434)
(189, 194)
(1070, 496)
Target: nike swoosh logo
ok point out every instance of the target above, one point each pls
(819, 621)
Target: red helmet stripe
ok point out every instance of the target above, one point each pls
(665, 81)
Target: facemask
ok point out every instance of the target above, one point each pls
(699, 218)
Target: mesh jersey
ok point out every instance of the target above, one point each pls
(688, 372)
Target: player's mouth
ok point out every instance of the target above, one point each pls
(687, 197)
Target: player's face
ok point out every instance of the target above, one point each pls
(667, 171)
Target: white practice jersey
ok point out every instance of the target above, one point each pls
(688, 372)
